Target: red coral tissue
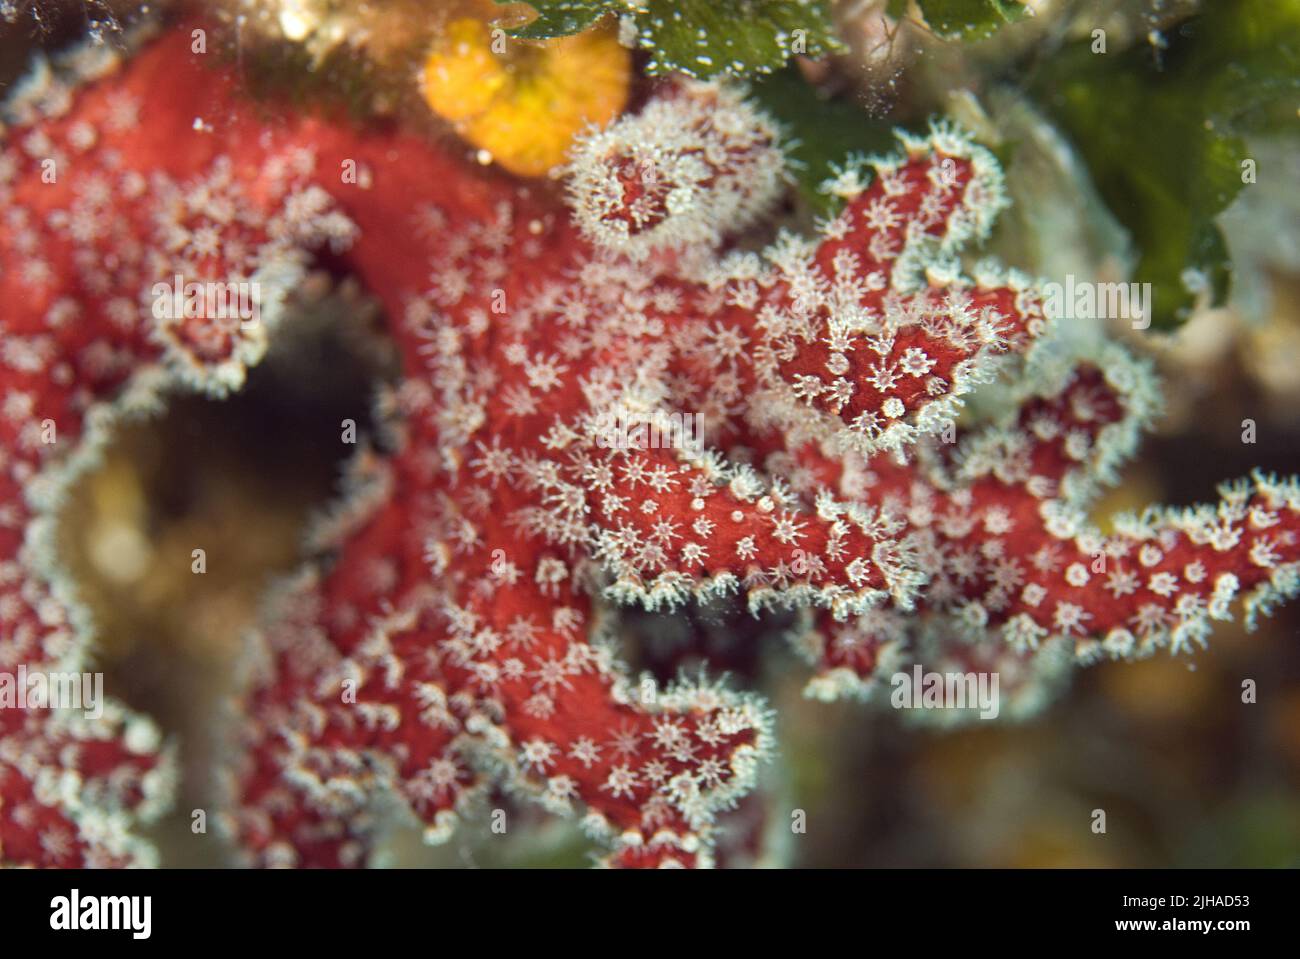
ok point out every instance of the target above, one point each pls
(601, 407)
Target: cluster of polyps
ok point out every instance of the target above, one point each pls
(459, 630)
(697, 163)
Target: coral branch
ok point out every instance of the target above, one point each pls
(1002, 529)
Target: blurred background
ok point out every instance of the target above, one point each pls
(1187, 773)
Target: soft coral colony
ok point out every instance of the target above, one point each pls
(456, 633)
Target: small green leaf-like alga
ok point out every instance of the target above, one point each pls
(703, 38)
(965, 19)
(818, 133)
(1162, 132)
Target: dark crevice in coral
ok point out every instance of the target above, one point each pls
(239, 478)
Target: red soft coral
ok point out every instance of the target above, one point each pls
(588, 413)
